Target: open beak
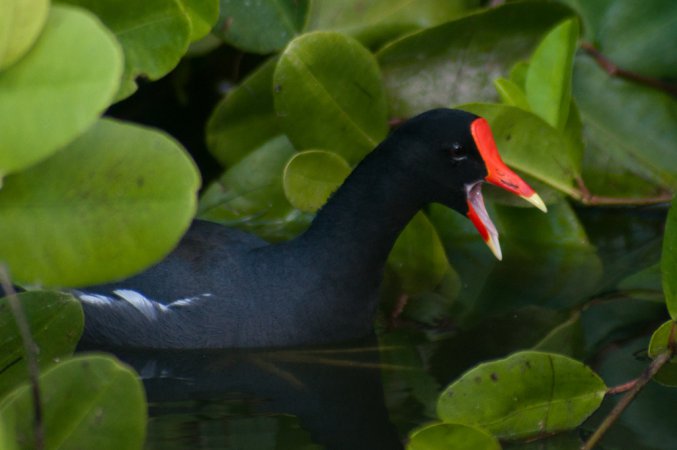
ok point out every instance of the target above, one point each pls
(498, 174)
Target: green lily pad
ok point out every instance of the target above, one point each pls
(449, 436)
(108, 205)
(56, 323)
(154, 35)
(61, 96)
(418, 256)
(250, 195)
(336, 103)
(310, 177)
(21, 22)
(548, 82)
(660, 342)
(527, 394)
(455, 62)
(261, 26)
(530, 145)
(245, 119)
(89, 401)
(669, 261)
(203, 15)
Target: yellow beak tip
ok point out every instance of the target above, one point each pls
(536, 200)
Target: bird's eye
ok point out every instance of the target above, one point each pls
(457, 152)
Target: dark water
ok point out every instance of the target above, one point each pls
(370, 394)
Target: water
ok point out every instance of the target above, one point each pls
(370, 394)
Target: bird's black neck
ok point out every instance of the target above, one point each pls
(355, 231)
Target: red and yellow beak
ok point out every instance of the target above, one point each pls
(498, 174)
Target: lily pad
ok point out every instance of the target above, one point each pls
(669, 261)
(61, 96)
(55, 320)
(456, 62)
(310, 177)
(21, 22)
(664, 338)
(527, 394)
(245, 118)
(451, 436)
(89, 401)
(261, 26)
(108, 205)
(154, 35)
(548, 82)
(335, 103)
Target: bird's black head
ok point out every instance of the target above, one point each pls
(449, 153)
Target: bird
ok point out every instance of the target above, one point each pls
(224, 288)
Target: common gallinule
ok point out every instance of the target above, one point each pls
(224, 288)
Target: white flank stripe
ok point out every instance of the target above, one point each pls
(148, 308)
(95, 299)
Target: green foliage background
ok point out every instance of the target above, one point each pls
(88, 195)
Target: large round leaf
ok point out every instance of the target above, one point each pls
(377, 21)
(245, 118)
(20, 24)
(633, 123)
(108, 205)
(530, 145)
(55, 321)
(456, 62)
(525, 395)
(58, 89)
(669, 261)
(310, 177)
(154, 35)
(547, 259)
(450, 436)
(202, 14)
(261, 26)
(335, 103)
(640, 36)
(89, 401)
(250, 196)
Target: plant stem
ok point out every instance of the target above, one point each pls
(624, 402)
(588, 198)
(625, 387)
(31, 351)
(615, 71)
